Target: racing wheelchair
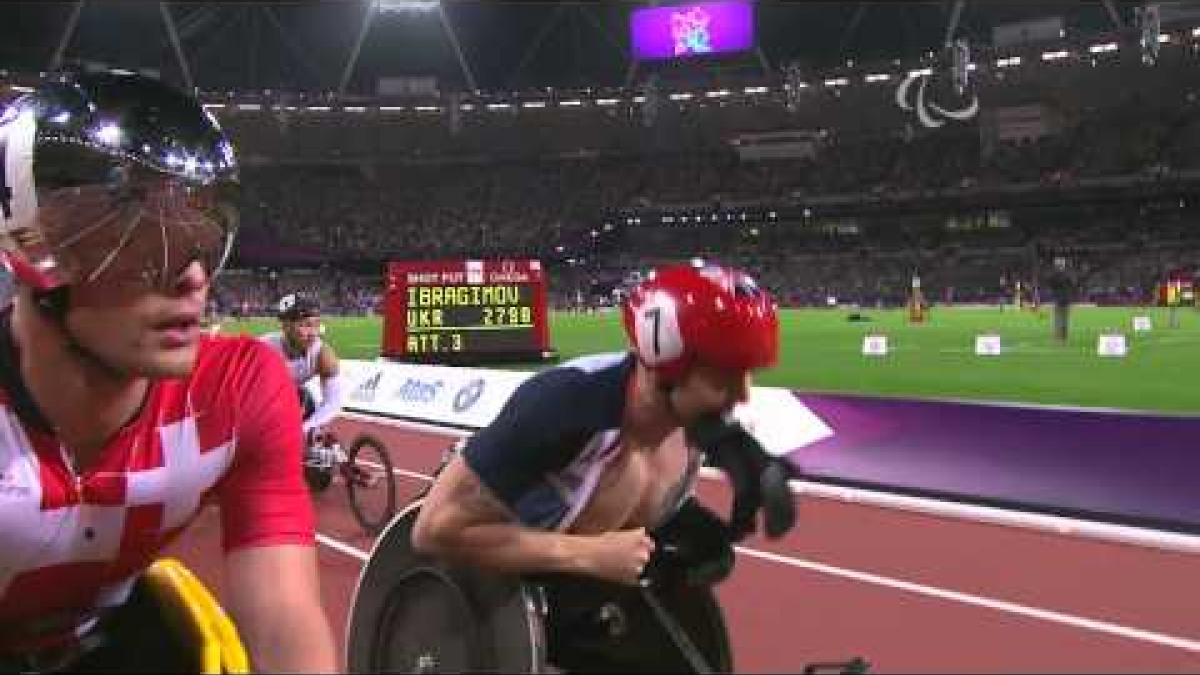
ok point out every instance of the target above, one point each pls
(169, 623)
(415, 613)
(365, 468)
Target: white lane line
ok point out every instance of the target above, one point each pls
(800, 487)
(980, 601)
(399, 472)
(405, 473)
(1121, 534)
(1174, 542)
(342, 547)
(1084, 623)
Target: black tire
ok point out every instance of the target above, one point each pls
(373, 506)
(412, 613)
(318, 479)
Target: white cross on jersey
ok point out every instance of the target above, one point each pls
(45, 536)
(186, 474)
(32, 537)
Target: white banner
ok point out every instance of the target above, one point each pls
(1112, 344)
(875, 345)
(465, 397)
(472, 397)
(987, 345)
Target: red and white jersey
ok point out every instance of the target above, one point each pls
(70, 544)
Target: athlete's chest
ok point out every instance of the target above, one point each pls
(635, 486)
(301, 369)
(302, 366)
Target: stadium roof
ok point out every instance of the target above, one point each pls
(306, 46)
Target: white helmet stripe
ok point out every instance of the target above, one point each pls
(17, 189)
(656, 328)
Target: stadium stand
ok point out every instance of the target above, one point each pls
(1103, 165)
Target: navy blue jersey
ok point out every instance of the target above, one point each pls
(545, 451)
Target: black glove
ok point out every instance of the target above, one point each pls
(759, 480)
(692, 545)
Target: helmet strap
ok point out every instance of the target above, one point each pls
(53, 303)
(668, 391)
(667, 387)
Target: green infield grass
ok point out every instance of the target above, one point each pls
(822, 352)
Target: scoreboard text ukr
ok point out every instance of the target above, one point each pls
(466, 311)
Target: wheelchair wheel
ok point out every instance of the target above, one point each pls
(417, 614)
(414, 614)
(371, 483)
(318, 478)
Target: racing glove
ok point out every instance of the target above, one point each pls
(760, 481)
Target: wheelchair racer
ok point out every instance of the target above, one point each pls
(299, 342)
(119, 418)
(586, 460)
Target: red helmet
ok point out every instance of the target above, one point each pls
(701, 314)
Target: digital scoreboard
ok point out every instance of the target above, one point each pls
(466, 311)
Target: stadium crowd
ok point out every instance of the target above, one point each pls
(596, 193)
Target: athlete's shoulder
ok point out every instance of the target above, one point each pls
(234, 351)
(599, 364)
(273, 339)
(225, 344)
(320, 346)
(585, 387)
(577, 373)
(550, 419)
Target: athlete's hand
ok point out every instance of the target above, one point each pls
(619, 556)
(759, 480)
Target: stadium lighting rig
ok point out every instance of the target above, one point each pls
(406, 6)
(953, 63)
(1149, 25)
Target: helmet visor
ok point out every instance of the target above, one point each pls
(115, 179)
(140, 228)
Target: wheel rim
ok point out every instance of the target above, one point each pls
(373, 505)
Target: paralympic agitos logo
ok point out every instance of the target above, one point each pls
(930, 112)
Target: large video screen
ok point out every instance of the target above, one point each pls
(692, 29)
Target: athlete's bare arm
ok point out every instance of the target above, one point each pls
(461, 520)
(274, 596)
(331, 390)
(328, 363)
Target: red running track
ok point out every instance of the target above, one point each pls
(909, 592)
